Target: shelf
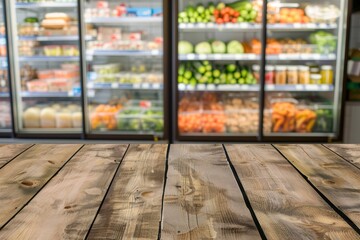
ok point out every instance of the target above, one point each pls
(253, 26)
(119, 86)
(302, 56)
(69, 94)
(115, 53)
(4, 95)
(53, 38)
(47, 5)
(219, 27)
(119, 20)
(49, 59)
(196, 57)
(294, 134)
(255, 87)
(120, 132)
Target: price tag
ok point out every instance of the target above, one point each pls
(311, 87)
(299, 87)
(155, 52)
(251, 56)
(202, 56)
(210, 25)
(316, 56)
(181, 87)
(311, 25)
(325, 87)
(190, 56)
(115, 85)
(91, 93)
(270, 87)
(90, 85)
(283, 56)
(245, 87)
(217, 56)
(332, 56)
(201, 87)
(323, 25)
(70, 93)
(156, 85)
(211, 87)
(182, 25)
(238, 56)
(136, 85)
(146, 85)
(305, 56)
(297, 25)
(190, 87)
(201, 25)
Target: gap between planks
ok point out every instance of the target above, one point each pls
(327, 199)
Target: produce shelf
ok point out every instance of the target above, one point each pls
(69, 94)
(47, 5)
(119, 20)
(49, 59)
(225, 57)
(302, 56)
(117, 86)
(254, 26)
(219, 27)
(115, 53)
(255, 87)
(119, 132)
(4, 95)
(53, 38)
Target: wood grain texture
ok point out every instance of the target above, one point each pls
(286, 206)
(67, 205)
(23, 177)
(350, 152)
(335, 178)
(132, 207)
(10, 151)
(202, 198)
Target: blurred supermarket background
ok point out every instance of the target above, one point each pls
(187, 70)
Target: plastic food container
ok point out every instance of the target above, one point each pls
(256, 72)
(70, 50)
(304, 75)
(64, 120)
(327, 74)
(283, 114)
(269, 74)
(103, 120)
(59, 85)
(152, 120)
(305, 119)
(190, 117)
(213, 121)
(31, 118)
(106, 69)
(52, 50)
(66, 73)
(292, 75)
(45, 74)
(129, 119)
(325, 119)
(37, 86)
(315, 78)
(77, 119)
(280, 75)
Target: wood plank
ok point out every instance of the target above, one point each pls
(350, 152)
(286, 206)
(23, 177)
(67, 205)
(335, 178)
(202, 198)
(132, 207)
(10, 151)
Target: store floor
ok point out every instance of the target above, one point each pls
(197, 191)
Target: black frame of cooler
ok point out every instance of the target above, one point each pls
(260, 137)
(84, 134)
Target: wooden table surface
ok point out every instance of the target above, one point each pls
(194, 191)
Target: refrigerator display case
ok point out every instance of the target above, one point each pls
(305, 69)
(124, 69)
(5, 106)
(231, 87)
(46, 66)
(217, 70)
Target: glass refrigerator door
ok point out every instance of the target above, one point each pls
(218, 69)
(124, 62)
(304, 72)
(5, 113)
(46, 54)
